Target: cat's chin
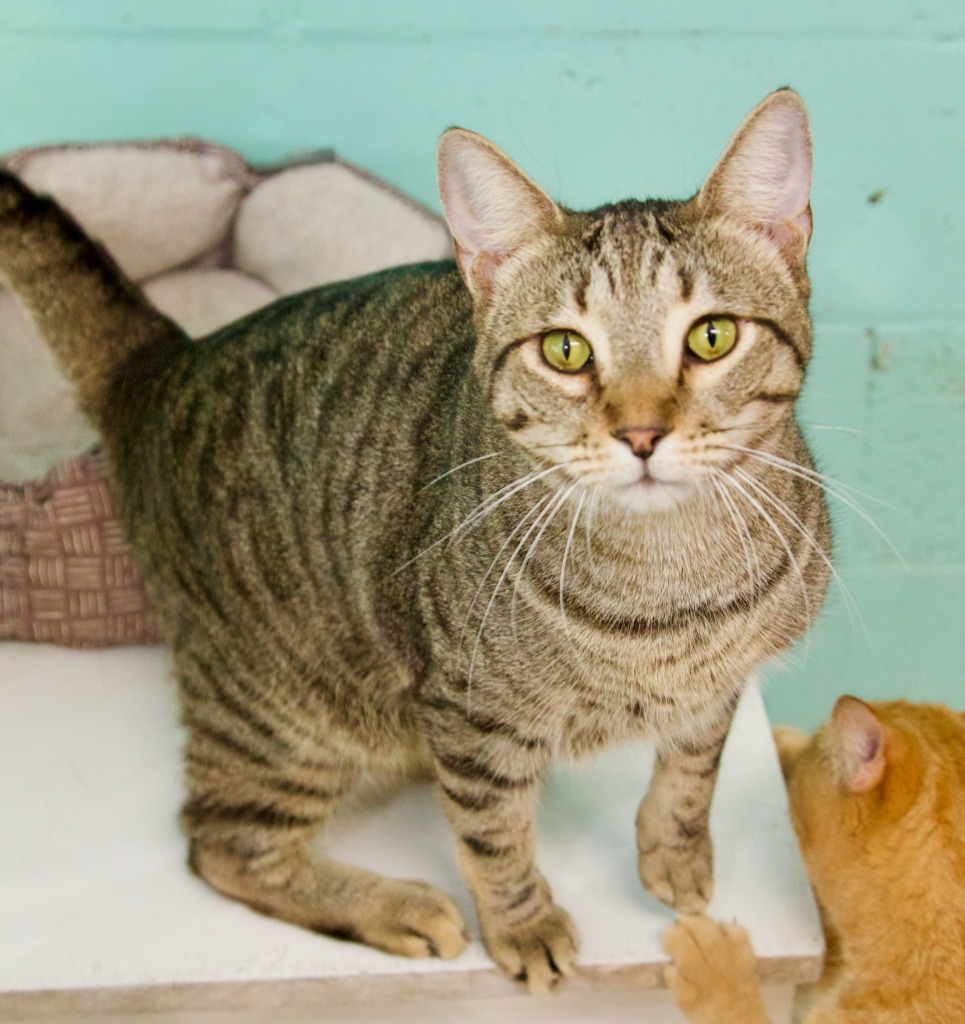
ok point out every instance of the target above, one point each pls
(650, 495)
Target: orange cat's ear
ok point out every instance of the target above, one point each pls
(493, 209)
(764, 177)
(859, 742)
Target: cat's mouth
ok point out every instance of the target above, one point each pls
(651, 485)
(649, 493)
(648, 480)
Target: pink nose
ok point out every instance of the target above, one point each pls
(642, 440)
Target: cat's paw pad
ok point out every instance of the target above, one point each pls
(537, 953)
(681, 875)
(412, 919)
(712, 974)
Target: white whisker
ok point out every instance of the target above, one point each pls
(483, 509)
(499, 583)
(795, 521)
(743, 534)
(831, 426)
(532, 548)
(587, 523)
(810, 474)
(835, 488)
(566, 551)
(728, 479)
(455, 469)
(492, 564)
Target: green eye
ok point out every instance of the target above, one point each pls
(712, 338)
(566, 351)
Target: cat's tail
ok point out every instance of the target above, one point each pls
(92, 316)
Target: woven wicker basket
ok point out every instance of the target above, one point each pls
(67, 575)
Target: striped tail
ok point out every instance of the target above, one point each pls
(90, 314)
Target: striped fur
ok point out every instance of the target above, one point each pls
(384, 537)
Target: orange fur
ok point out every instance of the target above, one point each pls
(878, 803)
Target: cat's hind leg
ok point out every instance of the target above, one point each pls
(712, 973)
(257, 799)
(282, 877)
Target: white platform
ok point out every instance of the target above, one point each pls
(99, 913)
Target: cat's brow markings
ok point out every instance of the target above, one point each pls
(686, 283)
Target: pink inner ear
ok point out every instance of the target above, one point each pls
(764, 176)
(860, 739)
(797, 177)
(456, 189)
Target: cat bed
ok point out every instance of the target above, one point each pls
(210, 238)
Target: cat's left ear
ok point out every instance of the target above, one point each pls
(492, 207)
(764, 177)
(859, 740)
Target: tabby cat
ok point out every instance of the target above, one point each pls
(466, 517)
(878, 802)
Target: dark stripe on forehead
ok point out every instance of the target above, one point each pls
(656, 263)
(610, 276)
(591, 240)
(665, 233)
(686, 284)
(579, 293)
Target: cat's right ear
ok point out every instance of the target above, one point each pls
(493, 209)
(764, 177)
(859, 740)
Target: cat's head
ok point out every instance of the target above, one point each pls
(865, 787)
(641, 343)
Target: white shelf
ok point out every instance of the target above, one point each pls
(98, 911)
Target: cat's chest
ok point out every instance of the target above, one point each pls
(599, 643)
(594, 674)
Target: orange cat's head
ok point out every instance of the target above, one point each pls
(877, 793)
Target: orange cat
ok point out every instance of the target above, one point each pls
(878, 803)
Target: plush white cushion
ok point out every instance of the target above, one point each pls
(204, 299)
(154, 208)
(40, 424)
(326, 222)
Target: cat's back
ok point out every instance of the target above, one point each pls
(401, 306)
(286, 376)
(392, 313)
(287, 418)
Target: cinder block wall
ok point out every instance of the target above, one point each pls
(626, 97)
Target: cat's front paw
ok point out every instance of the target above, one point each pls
(678, 872)
(712, 973)
(538, 952)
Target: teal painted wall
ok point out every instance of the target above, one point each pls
(602, 100)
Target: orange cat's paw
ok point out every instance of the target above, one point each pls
(712, 974)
